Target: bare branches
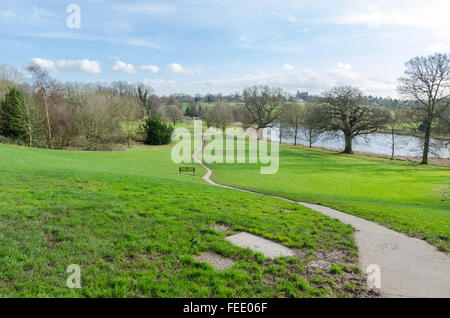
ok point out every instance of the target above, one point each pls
(174, 114)
(43, 84)
(427, 81)
(219, 116)
(347, 114)
(263, 105)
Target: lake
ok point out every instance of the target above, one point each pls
(379, 143)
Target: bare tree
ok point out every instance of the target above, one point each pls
(347, 114)
(283, 128)
(9, 77)
(31, 117)
(443, 126)
(42, 84)
(263, 105)
(174, 114)
(145, 96)
(129, 114)
(220, 115)
(427, 81)
(97, 121)
(313, 121)
(11, 74)
(398, 117)
(292, 119)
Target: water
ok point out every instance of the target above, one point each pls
(379, 143)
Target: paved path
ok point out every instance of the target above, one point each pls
(410, 267)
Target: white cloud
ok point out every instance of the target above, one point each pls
(86, 66)
(291, 18)
(161, 85)
(45, 64)
(123, 67)
(149, 68)
(427, 16)
(176, 68)
(243, 38)
(137, 42)
(308, 80)
(288, 67)
(343, 66)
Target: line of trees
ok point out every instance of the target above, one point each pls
(344, 109)
(43, 112)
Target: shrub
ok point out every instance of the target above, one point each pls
(138, 134)
(157, 132)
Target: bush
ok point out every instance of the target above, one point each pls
(157, 132)
(138, 134)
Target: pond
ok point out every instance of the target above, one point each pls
(379, 143)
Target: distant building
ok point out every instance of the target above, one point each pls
(301, 97)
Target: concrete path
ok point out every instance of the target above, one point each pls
(409, 267)
(258, 244)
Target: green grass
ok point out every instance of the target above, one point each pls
(400, 195)
(133, 224)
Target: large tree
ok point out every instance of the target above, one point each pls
(42, 84)
(427, 81)
(346, 113)
(145, 96)
(12, 121)
(174, 114)
(263, 105)
(219, 116)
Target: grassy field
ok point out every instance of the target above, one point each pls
(400, 195)
(133, 225)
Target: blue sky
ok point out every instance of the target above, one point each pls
(199, 46)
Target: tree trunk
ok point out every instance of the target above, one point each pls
(30, 135)
(310, 139)
(260, 133)
(281, 133)
(393, 145)
(348, 143)
(29, 126)
(48, 121)
(426, 145)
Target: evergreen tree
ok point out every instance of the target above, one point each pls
(12, 123)
(157, 132)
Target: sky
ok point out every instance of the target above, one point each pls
(203, 46)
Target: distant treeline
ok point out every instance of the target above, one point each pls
(40, 111)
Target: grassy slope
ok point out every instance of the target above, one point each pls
(128, 218)
(405, 197)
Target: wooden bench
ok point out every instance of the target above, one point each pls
(187, 169)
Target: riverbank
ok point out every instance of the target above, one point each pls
(417, 134)
(406, 147)
(369, 155)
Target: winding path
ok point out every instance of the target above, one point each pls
(410, 267)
